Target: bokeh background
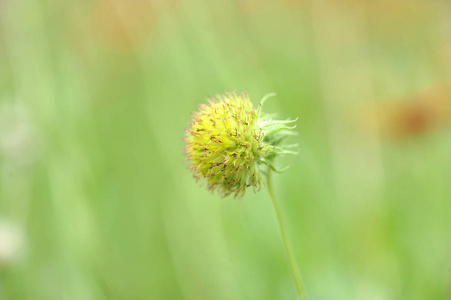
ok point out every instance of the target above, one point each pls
(95, 198)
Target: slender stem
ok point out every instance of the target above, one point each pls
(286, 242)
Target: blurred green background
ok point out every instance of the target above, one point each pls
(95, 198)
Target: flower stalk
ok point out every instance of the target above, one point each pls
(296, 274)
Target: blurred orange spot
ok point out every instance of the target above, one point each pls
(416, 114)
(122, 24)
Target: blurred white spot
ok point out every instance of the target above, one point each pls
(16, 134)
(11, 242)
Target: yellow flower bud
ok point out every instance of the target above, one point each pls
(229, 143)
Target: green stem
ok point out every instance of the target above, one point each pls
(286, 242)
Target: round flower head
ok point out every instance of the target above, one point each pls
(229, 143)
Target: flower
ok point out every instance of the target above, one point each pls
(231, 144)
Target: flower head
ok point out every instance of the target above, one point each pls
(230, 144)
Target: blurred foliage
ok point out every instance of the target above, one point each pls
(95, 198)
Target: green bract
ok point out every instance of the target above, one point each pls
(230, 144)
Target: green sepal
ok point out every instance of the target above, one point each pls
(272, 167)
